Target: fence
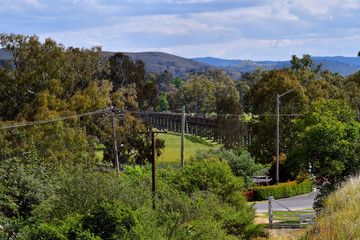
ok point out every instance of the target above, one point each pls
(288, 217)
(231, 131)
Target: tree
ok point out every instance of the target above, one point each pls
(210, 91)
(124, 72)
(304, 64)
(262, 98)
(177, 82)
(327, 141)
(46, 80)
(164, 81)
(352, 91)
(197, 94)
(164, 104)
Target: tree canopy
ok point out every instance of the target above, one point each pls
(327, 141)
(45, 80)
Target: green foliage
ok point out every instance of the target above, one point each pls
(136, 170)
(50, 81)
(245, 166)
(110, 221)
(282, 190)
(164, 104)
(213, 198)
(124, 72)
(242, 165)
(208, 175)
(178, 82)
(203, 200)
(24, 184)
(327, 140)
(209, 91)
(304, 64)
(262, 98)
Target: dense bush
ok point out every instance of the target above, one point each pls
(282, 190)
(241, 164)
(202, 200)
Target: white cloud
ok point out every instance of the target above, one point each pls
(315, 7)
(350, 4)
(247, 29)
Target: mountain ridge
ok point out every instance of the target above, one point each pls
(180, 66)
(337, 64)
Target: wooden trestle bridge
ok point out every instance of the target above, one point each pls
(231, 131)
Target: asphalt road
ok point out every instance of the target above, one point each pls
(295, 203)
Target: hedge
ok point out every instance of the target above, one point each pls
(282, 190)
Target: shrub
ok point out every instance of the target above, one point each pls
(203, 200)
(111, 221)
(69, 229)
(207, 175)
(242, 164)
(282, 190)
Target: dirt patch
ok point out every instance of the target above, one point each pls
(285, 233)
(278, 233)
(262, 218)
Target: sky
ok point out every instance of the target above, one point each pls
(228, 29)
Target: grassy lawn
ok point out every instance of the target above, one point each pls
(171, 153)
(99, 154)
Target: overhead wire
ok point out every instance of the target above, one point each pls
(14, 125)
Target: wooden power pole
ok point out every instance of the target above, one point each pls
(115, 144)
(182, 135)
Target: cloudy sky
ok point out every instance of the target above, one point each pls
(230, 29)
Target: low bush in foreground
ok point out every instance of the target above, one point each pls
(202, 200)
(282, 190)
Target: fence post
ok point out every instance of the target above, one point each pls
(270, 212)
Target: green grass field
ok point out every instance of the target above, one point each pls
(171, 154)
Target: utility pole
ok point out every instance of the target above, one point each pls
(182, 135)
(277, 137)
(153, 168)
(277, 124)
(153, 163)
(115, 144)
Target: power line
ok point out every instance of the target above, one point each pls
(136, 112)
(221, 115)
(51, 120)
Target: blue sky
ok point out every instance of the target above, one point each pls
(230, 29)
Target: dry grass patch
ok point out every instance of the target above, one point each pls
(340, 218)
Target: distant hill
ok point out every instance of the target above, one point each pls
(179, 66)
(338, 64)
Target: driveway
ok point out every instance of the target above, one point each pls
(295, 203)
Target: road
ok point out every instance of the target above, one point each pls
(295, 203)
